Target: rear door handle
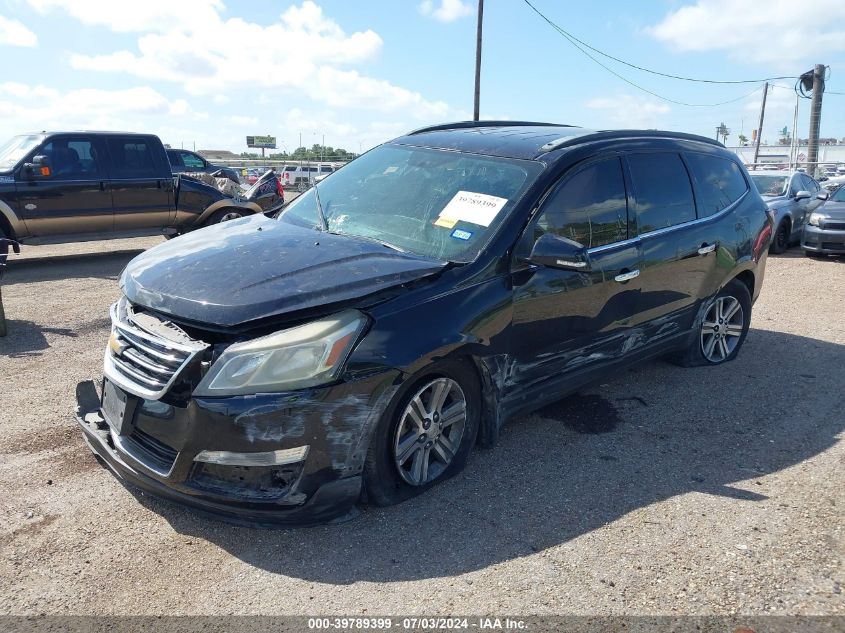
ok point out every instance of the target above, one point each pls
(706, 249)
(623, 277)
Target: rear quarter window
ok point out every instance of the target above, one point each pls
(718, 181)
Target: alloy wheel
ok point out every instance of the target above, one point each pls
(232, 215)
(721, 329)
(430, 431)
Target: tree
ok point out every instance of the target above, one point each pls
(743, 140)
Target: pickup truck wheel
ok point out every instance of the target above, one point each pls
(223, 215)
(781, 241)
(425, 435)
(720, 334)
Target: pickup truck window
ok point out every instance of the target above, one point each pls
(131, 158)
(71, 159)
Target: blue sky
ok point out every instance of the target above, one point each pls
(206, 73)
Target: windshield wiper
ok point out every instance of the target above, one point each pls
(324, 223)
(369, 238)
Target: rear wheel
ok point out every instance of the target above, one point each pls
(781, 241)
(223, 215)
(723, 329)
(426, 434)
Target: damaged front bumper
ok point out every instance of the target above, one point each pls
(274, 459)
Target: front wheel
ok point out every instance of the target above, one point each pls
(721, 333)
(781, 241)
(425, 435)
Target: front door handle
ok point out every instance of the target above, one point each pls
(623, 277)
(706, 249)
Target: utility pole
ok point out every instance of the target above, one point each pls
(760, 127)
(815, 119)
(478, 60)
(793, 146)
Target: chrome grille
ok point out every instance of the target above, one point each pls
(834, 226)
(142, 362)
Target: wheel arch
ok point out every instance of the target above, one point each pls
(245, 208)
(9, 221)
(746, 277)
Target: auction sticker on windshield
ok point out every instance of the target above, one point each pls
(468, 206)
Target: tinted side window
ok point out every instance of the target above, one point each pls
(71, 159)
(192, 161)
(719, 182)
(589, 208)
(131, 158)
(174, 158)
(662, 191)
(809, 184)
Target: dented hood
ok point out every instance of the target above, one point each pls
(254, 268)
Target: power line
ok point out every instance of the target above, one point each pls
(648, 70)
(628, 81)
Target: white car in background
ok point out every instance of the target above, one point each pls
(303, 176)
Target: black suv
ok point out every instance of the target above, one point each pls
(397, 313)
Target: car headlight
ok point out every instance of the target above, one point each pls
(814, 218)
(303, 356)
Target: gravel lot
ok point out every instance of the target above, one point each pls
(661, 491)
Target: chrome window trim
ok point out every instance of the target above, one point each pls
(668, 229)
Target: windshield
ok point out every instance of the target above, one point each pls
(771, 185)
(16, 148)
(434, 203)
(838, 195)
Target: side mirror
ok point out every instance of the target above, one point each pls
(558, 252)
(40, 166)
(823, 195)
(803, 195)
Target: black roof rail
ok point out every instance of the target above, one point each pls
(460, 125)
(613, 134)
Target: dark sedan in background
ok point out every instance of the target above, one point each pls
(824, 232)
(791, 196)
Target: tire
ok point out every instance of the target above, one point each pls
(705, 347)
(390, 478)
(780, 242)
(224, 215)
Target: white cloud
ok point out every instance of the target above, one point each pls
(777, 32)
(24, 107)
(13, 33)
(303, 52)
(149, 15)
(447, 10)
(626, 111)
